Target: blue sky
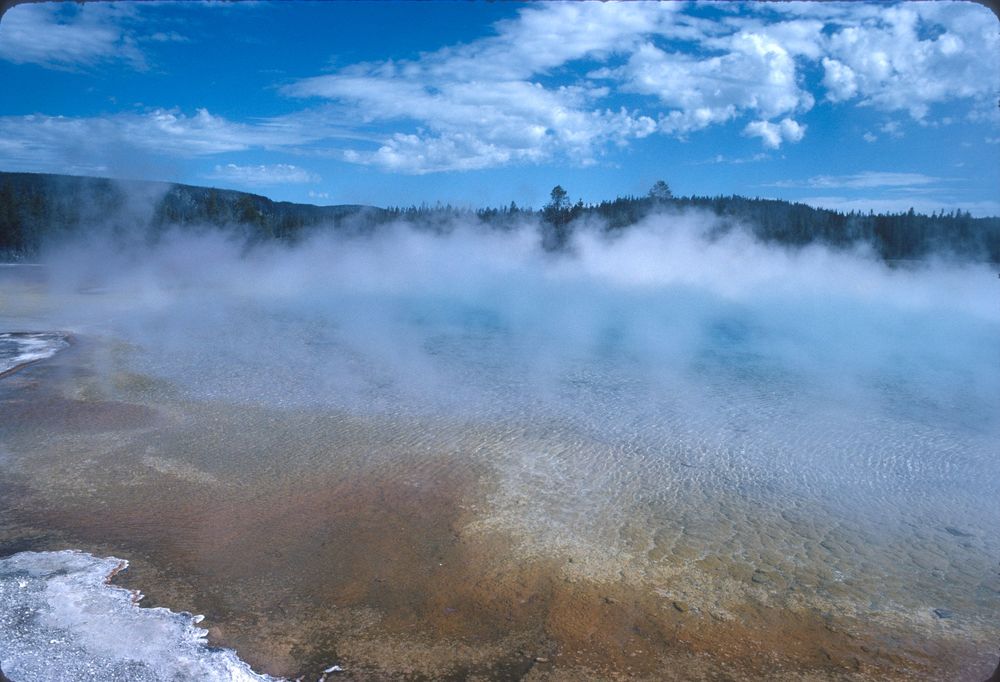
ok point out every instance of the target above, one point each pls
(881, 106)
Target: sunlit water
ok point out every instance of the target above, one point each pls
(832, 426)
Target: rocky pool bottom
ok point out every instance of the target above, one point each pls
(402, 549)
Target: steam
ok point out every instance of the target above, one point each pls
(421, 318)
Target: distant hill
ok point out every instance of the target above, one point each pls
(37, 209)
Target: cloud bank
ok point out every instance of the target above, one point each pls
(281, 173)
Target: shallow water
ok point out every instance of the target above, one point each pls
(521, 459)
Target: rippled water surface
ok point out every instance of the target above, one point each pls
(823, 440)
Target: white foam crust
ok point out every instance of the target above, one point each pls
(61, 620)
(18, 348)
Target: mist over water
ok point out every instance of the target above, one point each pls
(642, 400)
(409, 311)
(832, 369)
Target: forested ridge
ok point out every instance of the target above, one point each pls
(37, 209)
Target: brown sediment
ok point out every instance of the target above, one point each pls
(374, 573)
(57, 414)
(30, 403)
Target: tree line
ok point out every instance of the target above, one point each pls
(36, 209)
(906, 235)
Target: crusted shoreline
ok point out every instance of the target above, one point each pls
(65, 337)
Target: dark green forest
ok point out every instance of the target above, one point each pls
(37, 210)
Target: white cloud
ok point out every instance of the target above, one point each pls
(773, 134)
(891, 59)
(172, 131)
(66, 36)
(542, 86)
(481, 104)
(477, 106)
(168, 37)
(892, 128)
(869, 137)
(722, 158)
(513, 97)
(755, 74)
(535, 134)
(839, 80)
(920, 204)
(866, 179)
(39, 142)
(276, 174)
(546, 37)
(751, 69)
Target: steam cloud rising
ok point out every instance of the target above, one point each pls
(670, 324)
(409, 311)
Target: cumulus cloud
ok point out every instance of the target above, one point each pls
(275, 174)
(910, 56)
(754, 74)
(773, 134)
(839, 80)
